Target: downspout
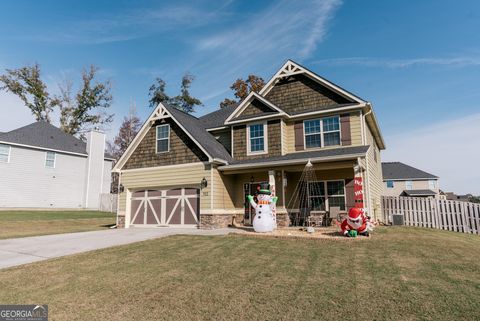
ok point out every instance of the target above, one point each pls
(367, 186)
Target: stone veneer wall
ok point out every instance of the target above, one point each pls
(213, 221)
(120, 221)
(283, 220)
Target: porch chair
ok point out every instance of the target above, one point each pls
(315, 218)
(333, 214)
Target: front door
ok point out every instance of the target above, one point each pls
(249, 189)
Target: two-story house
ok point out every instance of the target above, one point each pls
(43, 167)
(400, 179)
(186, 171)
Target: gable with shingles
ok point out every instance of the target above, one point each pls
(299, 93)
(256, 108)
(182, 149)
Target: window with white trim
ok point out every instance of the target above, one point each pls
(163, 138)
(257, 138)
(325, 194)
(432, 184)
(322, 132)
(390, 184)
(408, 185)
(50, 159)
(4, 153)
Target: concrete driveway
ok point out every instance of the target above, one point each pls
(20, 251)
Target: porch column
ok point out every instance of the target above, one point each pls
(271, 181)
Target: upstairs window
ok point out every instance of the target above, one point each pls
(432, 184)
(313, 133)
(256, 136)
(322, 132)
(390, 184)
(4, 153)
(50, 160)
(408, 185)
(163, 138)
(331, 131)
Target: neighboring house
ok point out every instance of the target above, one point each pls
(400, 179)
(454, 197)
(43, 167)
(188, 171)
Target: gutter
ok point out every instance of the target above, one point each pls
(289, 162)
(373, 118)
(43, 148)
(219, 161)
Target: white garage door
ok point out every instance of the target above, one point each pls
(178, 206)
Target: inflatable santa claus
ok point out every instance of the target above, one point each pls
(355, 223)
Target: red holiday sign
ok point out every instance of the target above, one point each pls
(358, 191)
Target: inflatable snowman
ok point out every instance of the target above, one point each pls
(263, 220)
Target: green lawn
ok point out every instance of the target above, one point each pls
(30, 223)
(398, 274)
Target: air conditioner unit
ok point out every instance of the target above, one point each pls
(398, 219)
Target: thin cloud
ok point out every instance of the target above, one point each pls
(129, 25)
(295, 26)
(449, 149)
(400, 63)
(259, 44)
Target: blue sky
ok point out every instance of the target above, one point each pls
(417, 62)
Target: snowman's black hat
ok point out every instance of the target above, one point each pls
(264, 188)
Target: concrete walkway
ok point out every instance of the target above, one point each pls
(20, 251)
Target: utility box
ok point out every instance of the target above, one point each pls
(397, 219)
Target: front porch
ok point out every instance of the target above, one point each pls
(332, 188)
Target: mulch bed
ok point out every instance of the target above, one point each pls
(325, 233)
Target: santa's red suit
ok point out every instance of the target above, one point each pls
(356, 220)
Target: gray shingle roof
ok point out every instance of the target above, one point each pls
(45, 135)
(344, 151)
(398, 170)
(218, 117)
(419, 192)
(197, 130)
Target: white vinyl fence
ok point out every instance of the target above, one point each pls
(108, 203)
(433, 213)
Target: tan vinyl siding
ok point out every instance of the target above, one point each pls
(165, 177)
(122, 197)
(374, 175)
(223, 187)
(284, 137)
(356, 129)
(289, 137)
